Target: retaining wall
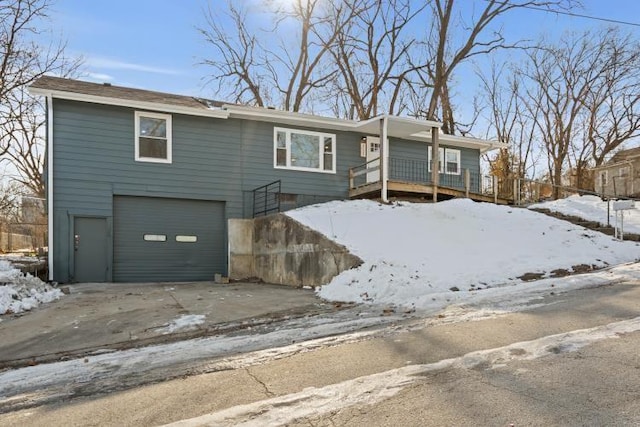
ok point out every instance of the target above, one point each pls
(277, 249)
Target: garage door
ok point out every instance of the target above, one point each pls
(161, 240)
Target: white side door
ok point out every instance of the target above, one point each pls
(373, 156)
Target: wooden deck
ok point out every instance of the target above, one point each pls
(403, 189)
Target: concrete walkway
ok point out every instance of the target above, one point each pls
(104, 316)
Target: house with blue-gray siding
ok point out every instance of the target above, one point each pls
(140, 184)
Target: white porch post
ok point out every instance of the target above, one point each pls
(435, 160)
(384, 159)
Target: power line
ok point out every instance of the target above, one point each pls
(578, 15)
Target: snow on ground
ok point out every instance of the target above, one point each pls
(186, 322)
(427, 255)
(592, 208)
(22, 293)
(370, 389)
(43, 382)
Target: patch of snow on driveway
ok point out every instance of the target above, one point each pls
(186, 322)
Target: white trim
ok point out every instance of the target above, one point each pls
(320, 135)
(50, 245)
(169, 137)
(442, 160)
(458, 163)
(141, 105)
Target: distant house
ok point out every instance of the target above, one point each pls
(620, 176)
(140, 184)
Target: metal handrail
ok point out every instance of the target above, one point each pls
(266, 199)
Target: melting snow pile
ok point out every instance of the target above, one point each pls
(22, 293)
(185, 322)
(422, 255)
(592, 208)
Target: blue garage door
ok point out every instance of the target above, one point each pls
(167, 240)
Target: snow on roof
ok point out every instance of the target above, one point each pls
(430, 255)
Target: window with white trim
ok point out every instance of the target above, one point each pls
(603, 178)
(304, 150)
(623, 171)
(153, 137)
(450, 158)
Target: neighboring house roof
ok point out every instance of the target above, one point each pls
(398, 127)
(621, 157)
(625, 155)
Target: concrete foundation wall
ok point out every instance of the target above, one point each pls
(280, 250)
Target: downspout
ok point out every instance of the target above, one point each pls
(384, 159)
(49, 145)
(435, 160)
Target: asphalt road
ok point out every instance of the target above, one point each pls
(525, 368)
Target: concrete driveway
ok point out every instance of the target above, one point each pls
(96, 317)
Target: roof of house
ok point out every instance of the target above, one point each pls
(623, 155)
(399, 127)
(119, 92)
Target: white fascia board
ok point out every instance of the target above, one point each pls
(482, 144)
(142, 105)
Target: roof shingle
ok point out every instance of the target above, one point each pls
(108, 91)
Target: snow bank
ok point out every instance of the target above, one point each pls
(592, 208)
(424, 255)
(22, 293)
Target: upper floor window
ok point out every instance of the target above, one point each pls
(153, 137)
(304, 150)
(450, 158)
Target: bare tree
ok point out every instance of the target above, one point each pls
(24, 134)
(613, 107)
(508, 121)
(446, 49)
(372, 54)
(288, 69)
(22, 61)
(583, 97)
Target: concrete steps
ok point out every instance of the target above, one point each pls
(591, 225)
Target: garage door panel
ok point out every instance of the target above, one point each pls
(162, 256)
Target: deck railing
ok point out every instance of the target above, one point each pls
(418, 171)
(364, 174)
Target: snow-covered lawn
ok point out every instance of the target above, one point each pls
(592, 208)
(429, 255)
(22, 293)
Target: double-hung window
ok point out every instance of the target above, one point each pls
(304, 150)
(603, 178)
(153, 137)
(450, 158)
